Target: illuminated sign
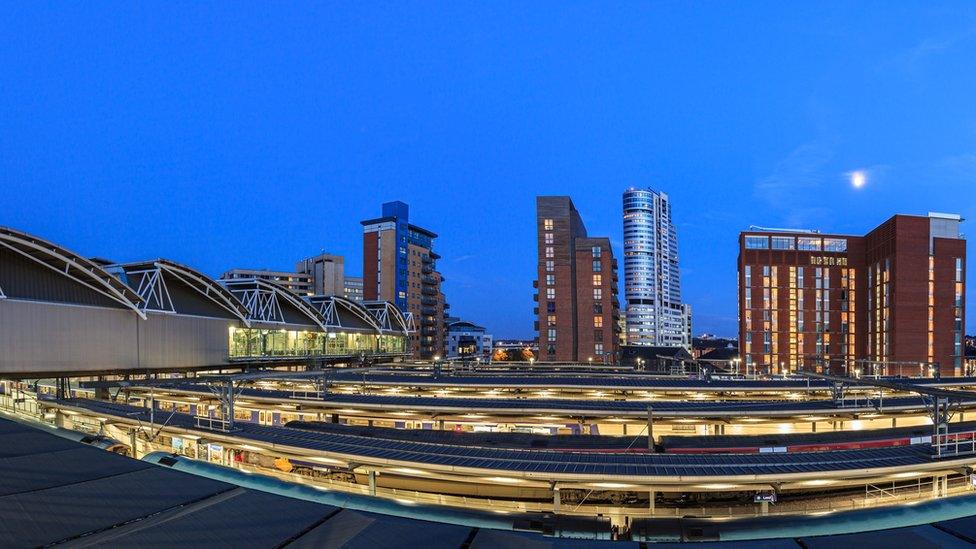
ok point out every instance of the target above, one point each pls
(828, 260)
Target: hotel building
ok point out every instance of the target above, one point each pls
(891, 301)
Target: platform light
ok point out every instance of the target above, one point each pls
(504, 480)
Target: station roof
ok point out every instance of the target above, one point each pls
(582, 407)
(54, 490)
(71, 266)
(551, 465)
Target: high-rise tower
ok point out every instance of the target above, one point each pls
(652, 284)
(399, 265)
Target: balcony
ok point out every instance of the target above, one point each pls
(426, 259)
(428, 301)
(428, 311)
(426, 269)
(428, 331)
(430, 280)
(447, 306)
(535, 284)
(427, 290)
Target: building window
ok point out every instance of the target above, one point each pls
(809, 244)
(597, 280)
(550, 280)
(596, 251)
(784, 243)
(597, 266)
(548, 238)
(550, 266)
(598, 349)
(550, 293)
(551, 307)
(835, 244)
(757, 242)
(598, 321)
(547, 224)
(551, 320)
(550, 252)
(552, 334)
(597, 294)
(598, 308)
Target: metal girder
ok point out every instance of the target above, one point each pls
(207, 287)
(262, 305)
(71, 266)
(151, 287)
(256, 296)
(390, 317)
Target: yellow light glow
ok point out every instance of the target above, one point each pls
(504, 480)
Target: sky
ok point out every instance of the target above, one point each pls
(245, 134)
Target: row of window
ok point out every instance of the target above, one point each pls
(802, 243)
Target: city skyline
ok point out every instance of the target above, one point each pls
(210, 163)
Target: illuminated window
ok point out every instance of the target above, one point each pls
(809, 244)
(550, 252)
(550, 280)
(757, 242)
(597, 280)
(549, 238)
(835, 244)
(551, 320)
(596, 251)
(550, 293)
(597, 294)
(784, 243)
(547, 224)
(598, 321)
(550, 266)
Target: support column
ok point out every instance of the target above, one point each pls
(650, 428)
(555, 499)
(813, 426)
(133, 440)
(894, 422)
(372, 482)
(650, 503)
(440, 424)
(764, 508)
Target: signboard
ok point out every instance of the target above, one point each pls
(769, 497)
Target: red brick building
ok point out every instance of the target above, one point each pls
(892, 301)
(577, 314)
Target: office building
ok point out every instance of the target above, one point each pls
(652, 283)
(400, 265)
(297, 282)
(577, 314)
(892, 300)
(327, 273)
(353, 288)
(467, 340)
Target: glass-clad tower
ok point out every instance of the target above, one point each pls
(652, 285)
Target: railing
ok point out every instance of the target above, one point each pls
(954, 444)
(215, 424)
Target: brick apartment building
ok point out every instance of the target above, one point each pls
(577, 314)
(399, 265)
(891, 301)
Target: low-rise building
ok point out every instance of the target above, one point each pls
(468, 340)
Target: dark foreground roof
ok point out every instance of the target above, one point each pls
(54, 490)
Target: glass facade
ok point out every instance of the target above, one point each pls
(252, 342)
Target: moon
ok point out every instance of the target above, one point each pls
(858, 179)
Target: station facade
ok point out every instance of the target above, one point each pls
(61, 313)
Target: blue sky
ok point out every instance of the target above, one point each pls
(251, 135)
